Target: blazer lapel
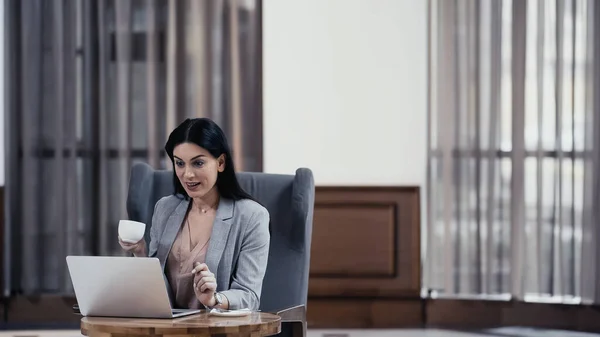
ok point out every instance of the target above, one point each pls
(170, 232)
(220, 233)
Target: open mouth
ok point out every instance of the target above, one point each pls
(192, 185)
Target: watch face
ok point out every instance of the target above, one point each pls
(218, 298)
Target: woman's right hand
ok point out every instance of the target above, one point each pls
(138, 249)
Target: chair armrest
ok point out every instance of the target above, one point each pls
(295, 318)
(293, 314)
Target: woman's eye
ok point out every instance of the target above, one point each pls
(198, 163)
(179, 163)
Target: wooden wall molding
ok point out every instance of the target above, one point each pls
(363, 313)
(480, 314)
(40, 310)
(365, 268)
(366, 243)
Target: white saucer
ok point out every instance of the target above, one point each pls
(230, 313)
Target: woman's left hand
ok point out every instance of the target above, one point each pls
(205, 284)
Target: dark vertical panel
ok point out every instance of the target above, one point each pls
(215, 61)
(123, 11)
(446, 112)
(181, 71)
(478, 158)
(171, 59)
(31, 93)
(71, 99)
(540, 124)
(103, 52)
(557, 278)
(468, 263)
(429, 280)
(596, 143)
(200, 67)
(589, 220)
(236, 88)
(586, 267)
(12, 134)
(571, 272)
(91, 127)
(258, 93)
(494, 121)
(497, 201)
(175, 65)
(152, 82)
(251, 90)
(457, 159)
(58, 200)
(519, 33)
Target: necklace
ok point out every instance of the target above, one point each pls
(204, 210)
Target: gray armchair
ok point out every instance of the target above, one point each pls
(290, 201)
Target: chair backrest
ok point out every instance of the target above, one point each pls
(290, 202)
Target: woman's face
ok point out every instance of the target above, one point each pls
(196, 169)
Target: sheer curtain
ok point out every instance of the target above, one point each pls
(513, 166)
(97, 85)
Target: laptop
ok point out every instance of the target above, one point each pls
(115, 286)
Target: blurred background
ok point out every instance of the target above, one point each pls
(469, 130)
(98, 85)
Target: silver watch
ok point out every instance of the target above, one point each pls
(218, 299)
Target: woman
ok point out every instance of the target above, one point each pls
(211, 238)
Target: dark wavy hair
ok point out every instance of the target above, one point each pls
(208, 135)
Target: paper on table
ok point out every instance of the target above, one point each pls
(230, 313)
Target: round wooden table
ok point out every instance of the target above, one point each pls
(254, 325)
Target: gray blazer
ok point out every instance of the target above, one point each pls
(238, 248)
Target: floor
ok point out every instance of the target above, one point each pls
(500, 332)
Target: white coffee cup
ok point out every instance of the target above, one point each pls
(131, 231)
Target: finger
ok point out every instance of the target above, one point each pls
(129, 247)
(202, 284)
(206, 280)
(199, 280)
(121, 240)
(127, 244)
(208, 287)
(205, 273)
(197, 291)
(199, 267)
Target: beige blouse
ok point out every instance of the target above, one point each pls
(181, 261)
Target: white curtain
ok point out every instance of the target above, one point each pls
(513, 176)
